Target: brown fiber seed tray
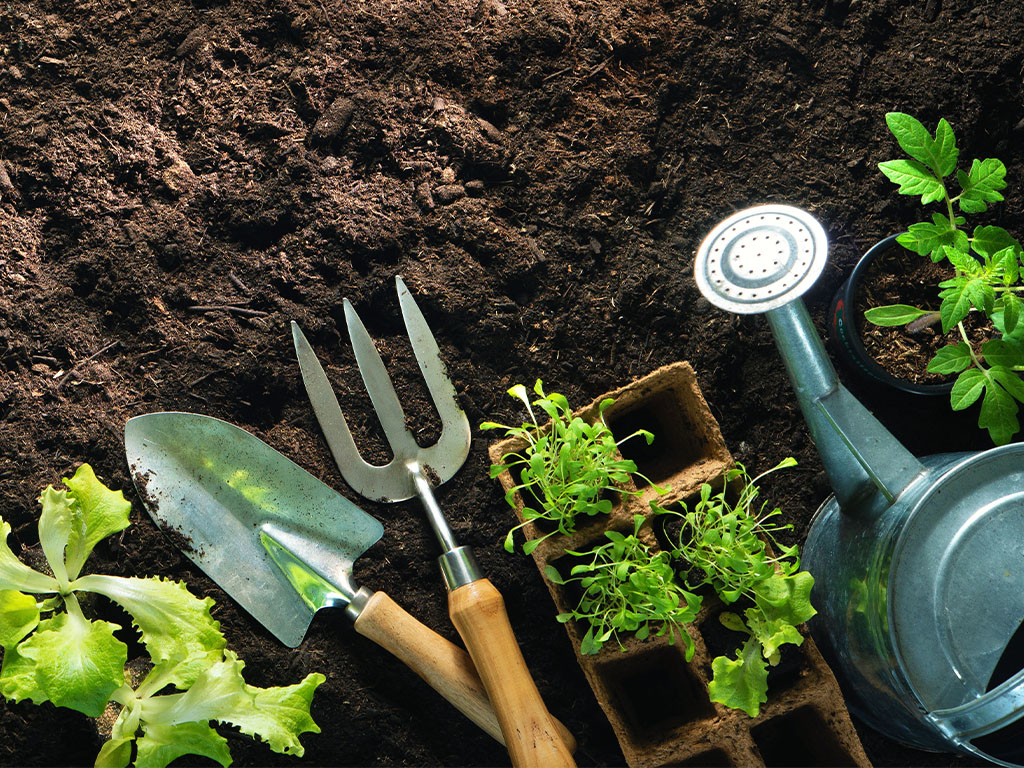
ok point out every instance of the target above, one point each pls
(657, 702)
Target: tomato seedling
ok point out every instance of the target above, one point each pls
(986, 272)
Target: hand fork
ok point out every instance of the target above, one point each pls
(475, 606)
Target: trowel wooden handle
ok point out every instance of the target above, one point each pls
(443, 665)
(478, 612)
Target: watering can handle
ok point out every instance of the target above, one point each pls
(988, 713)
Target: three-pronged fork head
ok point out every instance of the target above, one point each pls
(394, 481)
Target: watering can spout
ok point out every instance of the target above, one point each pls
(861, 457)
(761, 260)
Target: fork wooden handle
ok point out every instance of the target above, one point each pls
(443, 665)
(478, 612)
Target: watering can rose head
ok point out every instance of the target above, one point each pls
(985, 272)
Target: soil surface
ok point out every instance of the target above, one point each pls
(180, 180)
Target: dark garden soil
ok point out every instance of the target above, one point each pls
(179, 180)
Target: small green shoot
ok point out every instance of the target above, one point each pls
(628, 589)
(567, 468)
(986, 266)
(728, 546)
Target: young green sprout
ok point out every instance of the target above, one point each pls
(567, 468)
(627, 588)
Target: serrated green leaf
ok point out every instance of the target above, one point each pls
(988, 240)
(952, 358)
(100, 512)
(1011, 312)
(923, 238)
(962, 260)
(786, 597)
(894, 314)
(914, 178)
(967, 388)
(980, 185)
(18, 678)
(57, 521)
(1010, 381)
(1003, 352)
(939, 153)
(772, 633)
(15, 575)
(175, 625)
(741, 683)
(19, 615)
(954, 308)
(999, 415)
(79, 663)
(279, 715)
(162, 744)
(982, 295)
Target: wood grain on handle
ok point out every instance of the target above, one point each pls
(478, 612)
(443, 665)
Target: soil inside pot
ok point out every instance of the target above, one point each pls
(899, 276)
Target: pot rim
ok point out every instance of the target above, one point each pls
(846, 339)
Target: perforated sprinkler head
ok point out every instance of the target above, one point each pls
(760, 258)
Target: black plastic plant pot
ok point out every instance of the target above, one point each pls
(845, 336)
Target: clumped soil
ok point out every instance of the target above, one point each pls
(179, 180)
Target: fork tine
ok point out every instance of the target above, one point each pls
(363, 477)
(447, 455)
(379, 387)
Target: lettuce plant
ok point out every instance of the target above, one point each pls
(53, 652)
(567, 468)
(985, 266)
(729, 546)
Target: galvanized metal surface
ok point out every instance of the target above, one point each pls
(917, 563)
(214, 488)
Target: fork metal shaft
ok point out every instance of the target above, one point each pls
(458, 565)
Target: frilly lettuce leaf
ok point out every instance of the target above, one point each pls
(14, 574)
(18, 678)
(786, 597)
(102, 512)
(175, 625)
(19, 615)
(741, 683)
(280, 715)
(78, 663)
(163, 743)
(277, 715)
(57, 523)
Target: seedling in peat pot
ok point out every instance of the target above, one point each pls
(728, 546)
(628, 589)
(986, 272)
(53, 652)
(567, 468)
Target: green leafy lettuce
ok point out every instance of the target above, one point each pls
(731, 547)
(53, 652)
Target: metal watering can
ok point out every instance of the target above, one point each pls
(918, 562)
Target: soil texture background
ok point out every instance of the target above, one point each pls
(180, 180)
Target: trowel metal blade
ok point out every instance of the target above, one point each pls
(212, 487)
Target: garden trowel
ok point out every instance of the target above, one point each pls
(281, 543)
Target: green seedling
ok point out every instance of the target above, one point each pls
(53, 652)
(729, 547)
(567, 469)
(986, 272)
(627, 589)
